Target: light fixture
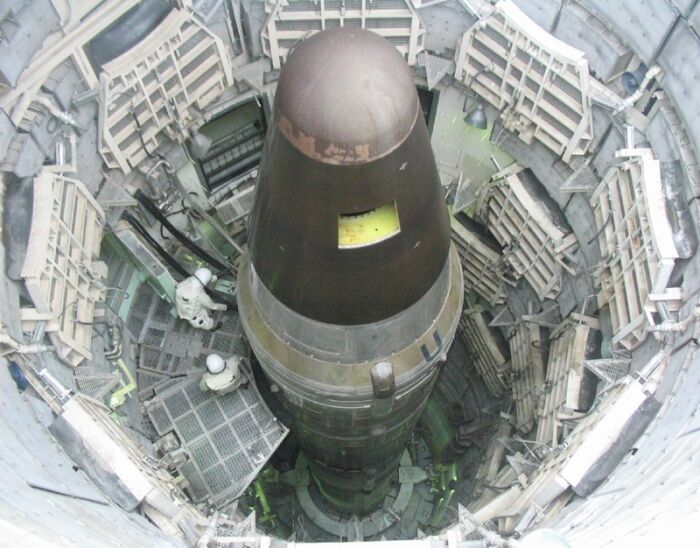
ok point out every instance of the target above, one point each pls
(476, 117)
(632, 80)
(199, 145)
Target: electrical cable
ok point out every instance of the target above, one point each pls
(139, 130)
(138, 227)
(146, 202)
(606, 223)
(60, 315)
(139, 127)
(183, 209)
(177, 267)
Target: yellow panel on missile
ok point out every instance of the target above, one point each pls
(369, 227)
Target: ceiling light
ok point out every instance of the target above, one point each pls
(477, 117)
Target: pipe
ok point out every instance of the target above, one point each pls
(161, 162)
(676, 327)
(16, 347)
(116, 349)
(209, 531)
(56, 112)
(158, 196)
(61, 392)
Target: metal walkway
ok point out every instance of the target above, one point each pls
(228, 438)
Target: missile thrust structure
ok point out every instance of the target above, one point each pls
(351, 291)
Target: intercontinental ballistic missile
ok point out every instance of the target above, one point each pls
(351, 291)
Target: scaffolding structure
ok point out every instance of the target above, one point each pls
(146, 93)
(569, 348)
(490, 359)
(528, 364)
(61, 270)
(289, 22)
(482, 266)
(539, 84)
(537, 246)
(637, 247)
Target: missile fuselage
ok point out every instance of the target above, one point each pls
(351, 291)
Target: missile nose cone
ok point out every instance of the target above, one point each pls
(346, 97)
(349, 224)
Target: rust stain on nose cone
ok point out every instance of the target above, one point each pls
(351, 292)
(346, 97)
(347, 138)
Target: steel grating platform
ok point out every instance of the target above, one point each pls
(151, 382)
(228, 438)
(172, 347)
(94, 382)
(231, 528)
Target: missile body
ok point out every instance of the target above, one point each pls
(351, 291)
